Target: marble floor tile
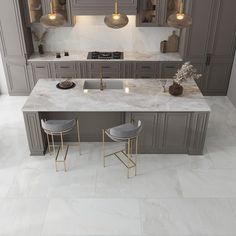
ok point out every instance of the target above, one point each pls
(185, 217)
(22, 216)
(92, 217)
(208, 183)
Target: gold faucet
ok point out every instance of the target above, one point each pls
(102, 86)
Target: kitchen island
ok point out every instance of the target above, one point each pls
(170, 124)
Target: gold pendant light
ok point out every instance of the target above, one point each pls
(180, 19)
(116, 20)
(52, 19)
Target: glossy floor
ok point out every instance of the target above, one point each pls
(175, 195)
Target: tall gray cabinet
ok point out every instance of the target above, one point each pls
(15, 45)
(211, 43)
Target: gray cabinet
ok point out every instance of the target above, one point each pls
(153, 13)
(106, 69)
(64, 70)
(171, 132)
(169, 69)
(146, 69)
(40, 70)
(211, 43)
(102, 7)
(175, 133)
(15, 45)
(62, 7)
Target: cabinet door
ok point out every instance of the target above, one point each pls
(15, 45)
(147, 138)
(222, 48)
(175, 133)
(107, 69)
(40, 70)
(103, 7)
(62, 7)
(169, 69)
(146, 70)
(17, 78)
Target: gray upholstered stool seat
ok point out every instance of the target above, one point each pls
(58, 126)
(124, 131)
(127, 133)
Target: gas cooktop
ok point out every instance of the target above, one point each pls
(105, 55)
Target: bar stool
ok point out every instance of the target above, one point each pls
(127, 133)
(59, 128)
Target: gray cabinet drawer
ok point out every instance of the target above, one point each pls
(66, 75)
(41, 70)
(65, 66)
(169, 69)
(105, 67)
(145, 75)
(105, 75)
(146, 67)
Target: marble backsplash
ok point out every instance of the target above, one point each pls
(90, 33)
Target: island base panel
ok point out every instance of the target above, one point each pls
(166, 133)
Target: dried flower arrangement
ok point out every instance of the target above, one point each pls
(39, 38)
(187, 72)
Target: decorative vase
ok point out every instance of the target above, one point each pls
(176, 89)
(40, 47)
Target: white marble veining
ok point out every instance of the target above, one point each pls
(144, 95)
(177, 195)
(128, 56)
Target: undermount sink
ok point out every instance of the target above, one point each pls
(107, 84)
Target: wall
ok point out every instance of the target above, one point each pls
(90, 33)
(3, 85)
(232, 84)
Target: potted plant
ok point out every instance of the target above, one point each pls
(187, 72)
(39, 39)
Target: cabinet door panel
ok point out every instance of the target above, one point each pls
(17, 78)
(176, 132)
(41, 70)
(102, 7)
(169, 69)
(147, 142)
(199, 31)
(10, 31)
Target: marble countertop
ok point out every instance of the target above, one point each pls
(128, 56)
(144, 95)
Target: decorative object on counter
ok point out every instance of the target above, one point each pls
(170, 45)
(39, 39)
(163, 83)
(187, 72)
(66, 54)
(180, 19)
(58, 55)
(163, 47)
(116, 20)
(66, 84)
(52, 19)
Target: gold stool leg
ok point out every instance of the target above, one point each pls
(129, 144)
(136, 155)
(103, 148)
(78, 133)
(62, 149)
(54, 151)
(49, 146)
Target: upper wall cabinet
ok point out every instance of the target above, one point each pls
(153, 13)
(34, 9)
(102, 7)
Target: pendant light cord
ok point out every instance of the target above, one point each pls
(51, 7)
(116, 6)
(181, 7)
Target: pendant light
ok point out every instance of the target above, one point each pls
(116, 20)
(52, 19)
(180, 19)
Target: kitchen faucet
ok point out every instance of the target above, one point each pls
(102, 86)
